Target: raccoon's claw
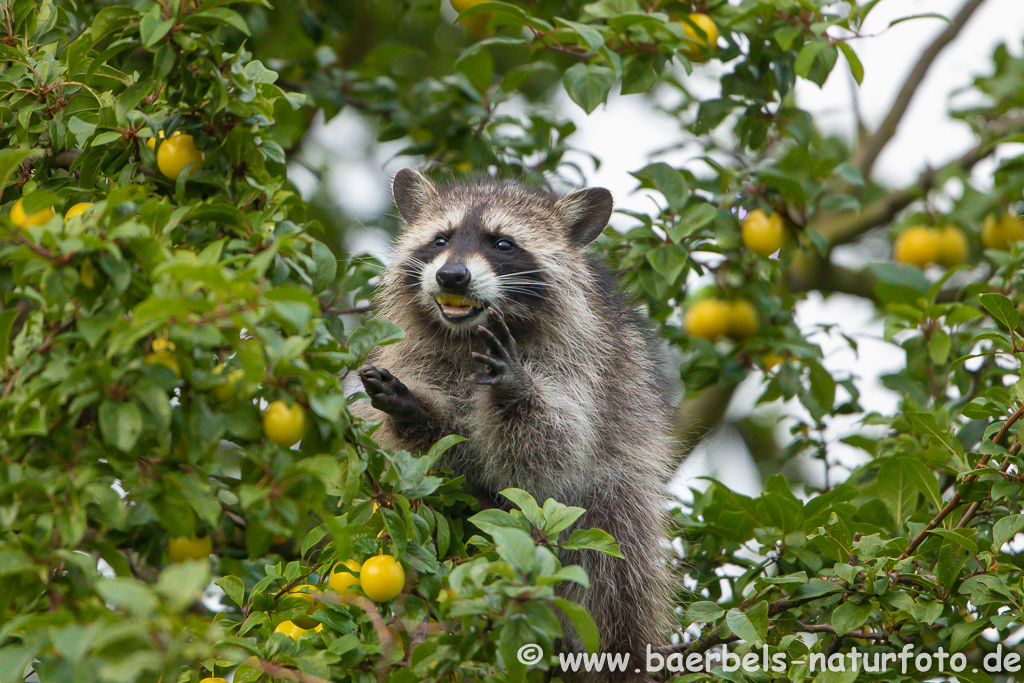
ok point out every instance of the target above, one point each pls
(389, 395)
(499, 331)
(496, 373)
(501, 360)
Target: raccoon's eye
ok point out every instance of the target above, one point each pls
(440, 241)
(504, 245)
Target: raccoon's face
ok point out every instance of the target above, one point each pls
(465, 268)
(471, 247)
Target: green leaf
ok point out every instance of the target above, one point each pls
(593, 37)
(225, 16)
(593, 539)
(923, 15)
(697, 216)
(850, 616)
(668, 261)
(582, 621)
(1006, 528)
(898, 489)
(856, 68)
(923, 479)
(703, 612)
(370, 334)
(787, 34)
(15, 562)
(11, 159)
(804, 60)
(901, 274)
(439, 448)
(939, 345)
(1001, 309)
(129, 594)
(666, 180)
(950, 564)
(182, 583)
(712, 112)
(525, 502)
(588, 85)
(741, 625)
(823, 386)
(515, 547)
(961, 537)
(152, 29)
(478, 68)
(7, 319)
(233, 588)
(120, 424)
(638, 77)
(558, 517)
(514, 635)
(491, 519)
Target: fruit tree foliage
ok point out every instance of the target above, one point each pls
(141, 339)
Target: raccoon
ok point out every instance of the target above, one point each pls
(518, 340)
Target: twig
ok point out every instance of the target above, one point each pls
(845, 228)
(873, 145)
(699, 415)
(714, 637)
(364, 308)
(278, 671)
(955, 501)
(387, 639)
(973, 509)
(825, 628)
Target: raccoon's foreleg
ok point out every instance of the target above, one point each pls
(505, 373)
(388, 394)
(410, 418)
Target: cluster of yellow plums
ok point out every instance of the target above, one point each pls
(24, 220)
(921, 245)
(172, 156)
(380, 577)
(711, 318)
(283, 424)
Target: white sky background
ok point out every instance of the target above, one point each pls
(626, 131)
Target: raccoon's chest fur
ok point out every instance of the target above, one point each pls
(505, 449)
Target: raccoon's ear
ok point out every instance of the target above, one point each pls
(586, 213)
(412, 192)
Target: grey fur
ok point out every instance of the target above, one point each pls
(571, 407)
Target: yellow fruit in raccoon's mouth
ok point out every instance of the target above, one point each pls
(456, 305)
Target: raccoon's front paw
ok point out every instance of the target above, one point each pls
(503, 371)
(389, 395)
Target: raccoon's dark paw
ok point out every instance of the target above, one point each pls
(501, 362)
(389, 395)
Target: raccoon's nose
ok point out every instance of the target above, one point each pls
(453, 276)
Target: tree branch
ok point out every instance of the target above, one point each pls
(715, 638)
(697, 416)
(288, 674)
(845, 228)
(973, 509)
(825, 628)
(873, 145)
(954, 502)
